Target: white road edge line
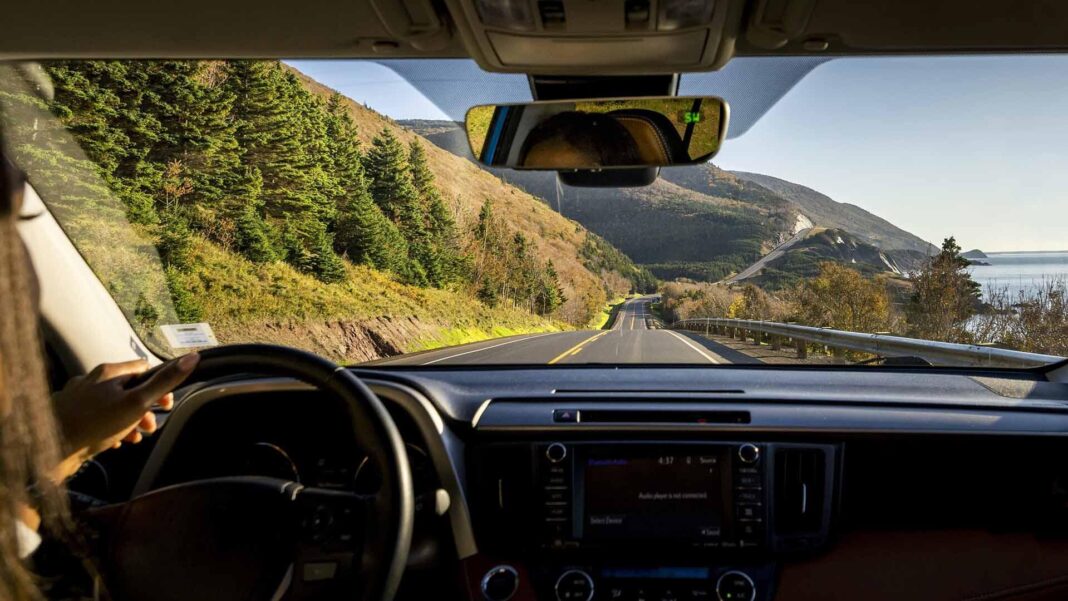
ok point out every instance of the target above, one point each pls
(486, 348)
(693, 346)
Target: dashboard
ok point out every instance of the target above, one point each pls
(675, 484)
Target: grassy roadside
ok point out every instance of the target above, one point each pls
(607, 314)
(275, 303)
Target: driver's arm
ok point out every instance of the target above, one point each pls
(96, 412)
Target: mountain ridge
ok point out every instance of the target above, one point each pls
(699, 211)
(825, 211)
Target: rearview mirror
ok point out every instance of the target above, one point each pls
(598, 133)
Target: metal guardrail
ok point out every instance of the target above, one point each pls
(885, 345)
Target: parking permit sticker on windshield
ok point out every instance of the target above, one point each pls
(189, 335)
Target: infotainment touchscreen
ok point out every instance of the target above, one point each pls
(651, 493)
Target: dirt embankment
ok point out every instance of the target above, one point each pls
(344, 341)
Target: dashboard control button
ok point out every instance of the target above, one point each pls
(749, 453)
(749, 512)
(574, 585)
(500, 583)
(751, 497)
(556, 512)
(556, 452)
(749, 481)
(735, 586)
(316, 571)
(751, 531)
(566, 416)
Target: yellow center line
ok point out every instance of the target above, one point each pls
(578, 347)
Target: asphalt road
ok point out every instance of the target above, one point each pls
(634, 337)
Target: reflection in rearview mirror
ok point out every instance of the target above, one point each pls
(598, 133)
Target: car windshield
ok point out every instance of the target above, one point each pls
(868, 211)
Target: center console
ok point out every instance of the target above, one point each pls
(646, 521)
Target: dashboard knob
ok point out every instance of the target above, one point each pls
(556, 452)
(500, 583)
(735, 586)
(749, 453)
(574, 585)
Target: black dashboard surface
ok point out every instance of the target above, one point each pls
(914, 450)
(848, 399)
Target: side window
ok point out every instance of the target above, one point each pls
(122, 254)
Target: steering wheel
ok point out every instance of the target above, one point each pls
(251, 538)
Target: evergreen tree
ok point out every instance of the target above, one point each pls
(944, 297)
(253, 238)
(175, 240)
(269, 129)
(325, 264)
(391, 184)
(393, 253)
(362, 231)
(193, 110)
(321, 188)
(551, 295)
(99, 103)
(422, 176)
(392, 189)
(446, 263)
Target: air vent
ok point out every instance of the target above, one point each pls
(552, 14)
(800, 490)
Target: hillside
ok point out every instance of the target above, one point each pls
(826, 212)
(786, 207)
(671, 230)
(713, 181)
(466, 187)
(802, 259)
(682, 233)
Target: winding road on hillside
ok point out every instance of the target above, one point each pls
(777, 252)
(635, 336)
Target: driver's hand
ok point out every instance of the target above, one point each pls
(97, 412)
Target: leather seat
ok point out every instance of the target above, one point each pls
(658, 141)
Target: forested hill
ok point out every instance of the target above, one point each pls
(255, 182)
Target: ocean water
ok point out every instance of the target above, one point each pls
(1017, 272)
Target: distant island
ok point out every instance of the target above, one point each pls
(975, 253)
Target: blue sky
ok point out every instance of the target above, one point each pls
(975, 147)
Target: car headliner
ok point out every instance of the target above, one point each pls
(354, 29)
